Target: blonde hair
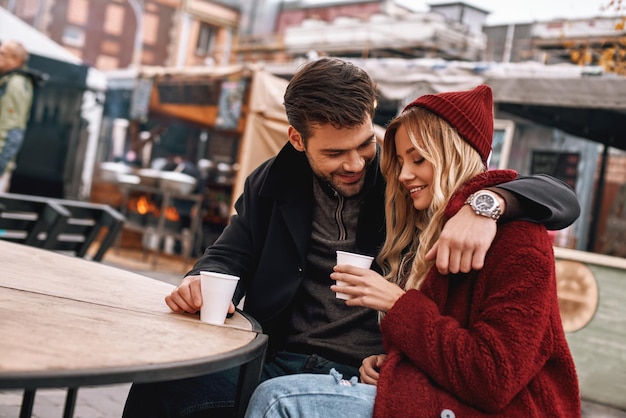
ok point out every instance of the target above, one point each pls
(410, 232)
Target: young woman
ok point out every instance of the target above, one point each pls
(485, 343)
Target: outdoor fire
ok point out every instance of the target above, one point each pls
(171, 214)
(144, 206)
(142, 210)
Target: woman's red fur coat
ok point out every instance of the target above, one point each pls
(487, 343)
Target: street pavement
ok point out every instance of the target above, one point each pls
(108, 401)
(92, 402)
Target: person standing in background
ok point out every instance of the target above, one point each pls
(16, 97)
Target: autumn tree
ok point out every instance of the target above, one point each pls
(610, 55)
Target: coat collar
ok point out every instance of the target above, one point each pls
(37, 78)
(289, 182)
(289, 175)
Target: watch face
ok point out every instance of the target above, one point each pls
(484, 202)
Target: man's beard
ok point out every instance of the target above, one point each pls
(345, 190)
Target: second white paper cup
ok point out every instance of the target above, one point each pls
(217, 293)
(352, 259)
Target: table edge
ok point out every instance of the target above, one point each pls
(137, 374)
(256, 326)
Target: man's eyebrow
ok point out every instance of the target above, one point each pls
(369, 139)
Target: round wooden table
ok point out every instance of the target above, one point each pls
(69, 322)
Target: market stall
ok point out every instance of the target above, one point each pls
(213, 124)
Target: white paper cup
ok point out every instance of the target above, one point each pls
(352, 259)
(217, 293)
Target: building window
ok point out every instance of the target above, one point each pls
(73, 36)
(104, 62)
(114, 20)
(150, 29)
(77, 12)
(206, 39)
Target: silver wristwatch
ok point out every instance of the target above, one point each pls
(485, 204)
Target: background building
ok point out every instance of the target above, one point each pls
(112, 34)
(367, 29)
(593, 41)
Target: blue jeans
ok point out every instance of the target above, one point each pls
(312, 397)
(213, 395)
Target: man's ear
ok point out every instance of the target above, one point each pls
(296, 139)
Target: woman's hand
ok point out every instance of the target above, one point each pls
(370, 368)
(365, 288)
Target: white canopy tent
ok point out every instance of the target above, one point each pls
(11, 27)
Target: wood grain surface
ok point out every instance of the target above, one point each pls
(61, 314)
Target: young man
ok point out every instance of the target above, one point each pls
(323, 192)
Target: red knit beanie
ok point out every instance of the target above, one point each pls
(469, 112)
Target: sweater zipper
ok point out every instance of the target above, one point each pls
(339, 217)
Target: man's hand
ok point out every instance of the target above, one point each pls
(464, 242)
(187, 297)
(370, 368)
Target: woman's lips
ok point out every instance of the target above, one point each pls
(414, 190)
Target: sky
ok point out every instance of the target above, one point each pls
(521, 11)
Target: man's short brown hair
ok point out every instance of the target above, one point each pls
(329, 91)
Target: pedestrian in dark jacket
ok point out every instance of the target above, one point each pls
(323, 192)
(487, 343)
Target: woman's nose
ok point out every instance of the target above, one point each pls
(405, 174)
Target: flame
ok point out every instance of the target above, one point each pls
(143, 205)
(171, 214)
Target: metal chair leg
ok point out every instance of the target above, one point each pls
(70, 402)
(28, 399)
(249, 376)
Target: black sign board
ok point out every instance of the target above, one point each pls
(204, 93)
(559, 164)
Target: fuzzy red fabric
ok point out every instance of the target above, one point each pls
(482, 344)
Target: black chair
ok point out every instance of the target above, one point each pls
(30, 220)
(89, 224)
